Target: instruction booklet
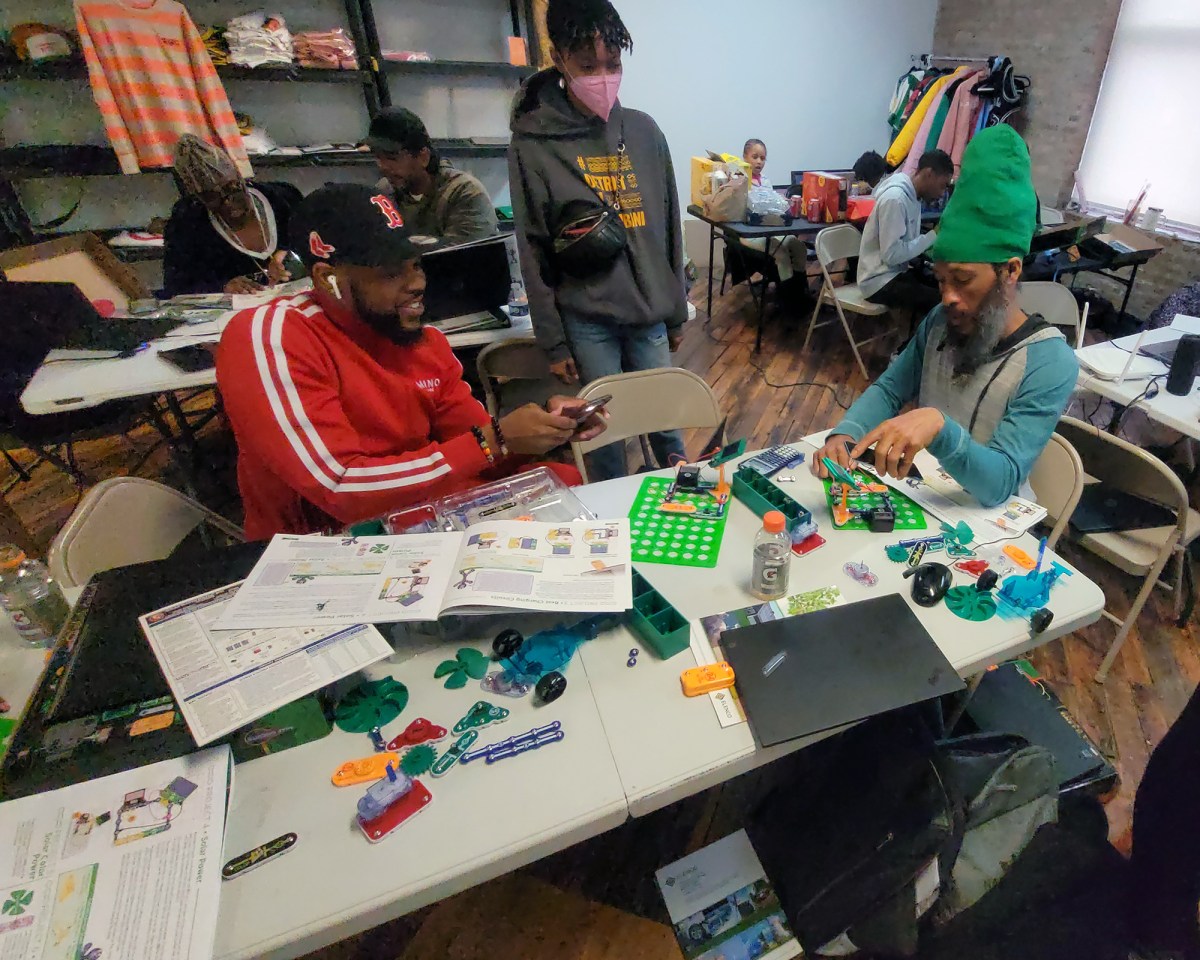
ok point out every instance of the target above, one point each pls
(723, 907)
(577, 567)
(126, 867)
(223, 680)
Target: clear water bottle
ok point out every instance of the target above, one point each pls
(32, 599)
(772, 554)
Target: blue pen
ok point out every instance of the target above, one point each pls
(1041, 554)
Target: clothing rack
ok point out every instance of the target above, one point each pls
(926, 59)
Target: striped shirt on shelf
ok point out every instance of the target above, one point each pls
(153, 80)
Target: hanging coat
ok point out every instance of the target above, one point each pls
(957, 130)
(904, 140)
(916, 144)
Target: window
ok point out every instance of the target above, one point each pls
(1145, 128)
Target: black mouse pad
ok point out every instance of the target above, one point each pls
(804, 674)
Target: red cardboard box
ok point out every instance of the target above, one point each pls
(828, 189)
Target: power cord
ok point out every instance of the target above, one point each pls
(801, 383)
(1149, 393)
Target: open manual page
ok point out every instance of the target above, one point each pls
(223, 680)
(577, 567)
(126, 867)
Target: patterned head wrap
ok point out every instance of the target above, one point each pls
(200, 166)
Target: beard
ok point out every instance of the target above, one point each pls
(388, 325)
(970, 351)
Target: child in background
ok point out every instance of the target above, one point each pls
(755, 154)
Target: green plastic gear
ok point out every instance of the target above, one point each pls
(970, 604)
(375, 703)
(896, 553)
(418, 760)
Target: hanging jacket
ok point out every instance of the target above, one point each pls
(904, 140)
(153, 80)
(558, 155)
(956, 132)
(899, 105)
(943, 110)
(921, 134)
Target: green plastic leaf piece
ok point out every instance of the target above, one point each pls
(375, 703)
(418, 760)
(457, 680)
(445, 667)
(473, 662)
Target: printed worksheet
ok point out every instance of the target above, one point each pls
(578, 567)
(126, 867)
(223, 680)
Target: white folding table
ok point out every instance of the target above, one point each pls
(633, 744)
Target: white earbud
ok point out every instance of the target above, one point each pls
(333, 285)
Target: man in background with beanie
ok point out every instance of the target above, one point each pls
(988, 382)
(344, 404)
(434, 198)
(604, 299)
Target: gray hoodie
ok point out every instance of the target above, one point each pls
(554, 147)
(892, 236)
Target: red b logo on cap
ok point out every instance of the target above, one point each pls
(389, 210)
(319, 247)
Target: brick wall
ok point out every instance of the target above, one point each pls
(1063, 47)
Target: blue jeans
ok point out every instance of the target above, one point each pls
(603, 349)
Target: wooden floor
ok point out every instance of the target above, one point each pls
(777, 395)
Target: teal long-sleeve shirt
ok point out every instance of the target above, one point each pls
(993, 471)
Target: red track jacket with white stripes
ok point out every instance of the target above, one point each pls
(334, 420)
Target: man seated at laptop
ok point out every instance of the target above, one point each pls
(988, 382)
(343, 403)
(434, 198)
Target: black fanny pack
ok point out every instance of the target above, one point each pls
(589, 237)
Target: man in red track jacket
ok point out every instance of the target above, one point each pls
(344, 404)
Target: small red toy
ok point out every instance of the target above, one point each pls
(419, 731)
(972, 568)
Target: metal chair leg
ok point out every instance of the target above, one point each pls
(1134, 611)
(850, 336)
(812, 323)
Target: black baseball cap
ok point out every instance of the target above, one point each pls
(396, 129)
(348, 223)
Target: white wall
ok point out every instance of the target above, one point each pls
(811, 80)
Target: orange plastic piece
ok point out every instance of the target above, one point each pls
(672, 507)
(1020, 557)
(698, 680)
(371, 768)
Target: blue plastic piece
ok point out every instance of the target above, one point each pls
(553, 649)
(383, 793)
(1023, 593)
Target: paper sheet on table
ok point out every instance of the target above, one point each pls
(241, 301)
(125, 867)
(942, 495)
(706, 637)
(223, 680)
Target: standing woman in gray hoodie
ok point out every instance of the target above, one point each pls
(597, 215)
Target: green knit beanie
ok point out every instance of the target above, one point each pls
(993, 212)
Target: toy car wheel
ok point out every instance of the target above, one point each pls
(987, 580)
(551, 687)
(507, 643)
(1040, 619)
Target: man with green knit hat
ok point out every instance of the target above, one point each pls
(986, 383)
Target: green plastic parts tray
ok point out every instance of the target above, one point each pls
(660, 626)
(761, 496)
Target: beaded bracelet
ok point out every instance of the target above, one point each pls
(481, 439)
(499, 437)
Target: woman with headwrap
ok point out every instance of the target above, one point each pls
(224, 230)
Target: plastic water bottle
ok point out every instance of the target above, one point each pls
(31, 597)
(772, 554)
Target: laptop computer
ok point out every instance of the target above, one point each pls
(824, 669)
(1103, 508)
(40, 317)
(467, 282)
(1163, 351)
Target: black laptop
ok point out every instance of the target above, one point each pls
(39, 317)
(466, 281)
(1103, 508)
(820, 670)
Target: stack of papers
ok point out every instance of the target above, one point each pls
(127, 866)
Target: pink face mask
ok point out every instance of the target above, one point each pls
(597, 93)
